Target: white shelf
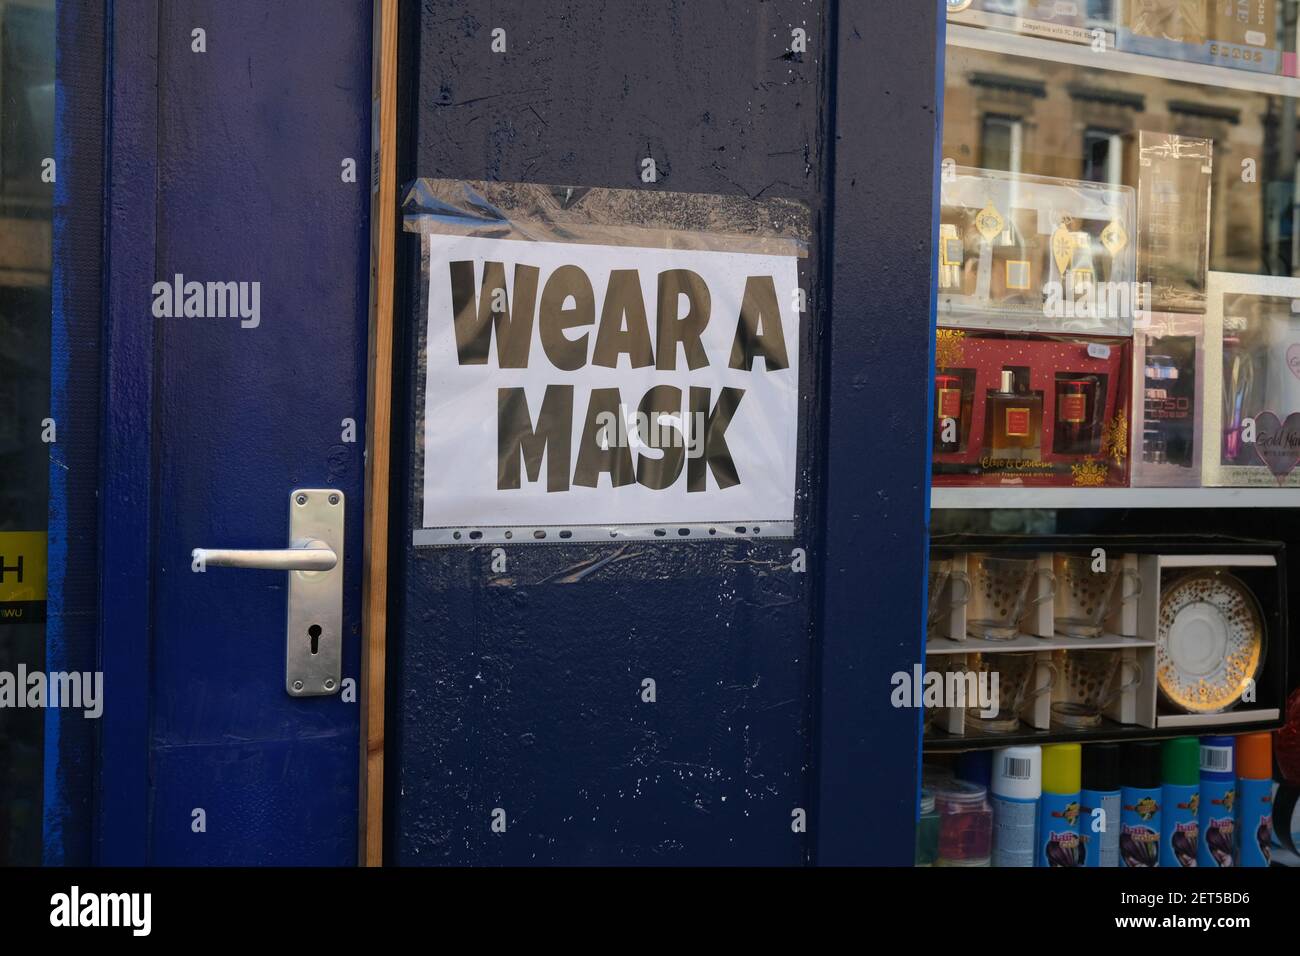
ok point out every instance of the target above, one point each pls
(1026, 642)
(1222, 77)
(1054, 498)
(1166, 721)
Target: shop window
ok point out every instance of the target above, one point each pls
(26, 139)
(1118, 318)
(27, 82)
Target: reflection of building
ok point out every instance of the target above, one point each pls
(1057, 119)
(26, 141)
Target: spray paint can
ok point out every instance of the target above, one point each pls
(1180, 824)
(1016, 788)
(1140, 796)
(1254, 799)
(1099, 805)
(1218, 843)
(1058, 809)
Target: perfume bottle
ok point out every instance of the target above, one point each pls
(1083, 269)
(1238, 389)
(1161, 407)
(1075, 431)
(1013, 421)
(952, 407)
(1016, 278)
(951, 255)
(1170, 392)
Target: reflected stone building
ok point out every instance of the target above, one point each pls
(1051, 118)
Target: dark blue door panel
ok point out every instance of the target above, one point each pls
(517, 693)
(250, 140)
(522, 691)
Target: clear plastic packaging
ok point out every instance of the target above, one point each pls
(1168, 399)
(1252, 374)
(1032, 253)
(1175, 174)
(1072, 21)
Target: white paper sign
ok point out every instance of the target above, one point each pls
(536, 351)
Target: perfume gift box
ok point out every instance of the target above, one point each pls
(1241, 34)
(1069, 20)
(1168, 399)
(1032, 253)
(1175, 174)
(1031, 410)
(1252, 377)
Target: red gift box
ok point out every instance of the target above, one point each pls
(1081, 384)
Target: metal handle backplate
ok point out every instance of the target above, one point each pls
(313, 656)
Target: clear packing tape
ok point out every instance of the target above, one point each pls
(600, 216)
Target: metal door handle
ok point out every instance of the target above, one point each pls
(313, 642)
(308, 556)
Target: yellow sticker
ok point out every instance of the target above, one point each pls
(1062, 248)
(22, 566)
(1114, 237)
(1018, 274)
(989, 222)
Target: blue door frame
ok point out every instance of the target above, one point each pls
(72, 621)
(889, 77)
(879, 121)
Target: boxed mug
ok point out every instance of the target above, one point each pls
(1252, 381)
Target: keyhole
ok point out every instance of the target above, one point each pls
(314, 633)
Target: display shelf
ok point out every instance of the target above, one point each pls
(1057, 498)
(1140, 711)
(1221, 77)
(938, 741)
(1026, 642)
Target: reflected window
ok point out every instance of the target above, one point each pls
(1001, 143)
(1103, 156)
(27, 81)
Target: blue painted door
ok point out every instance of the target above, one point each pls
(229, 163)
(518, 731)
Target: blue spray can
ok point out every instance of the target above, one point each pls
(1099, 805)
(1140, 796)
(1218, 843)
(1180, 823)
(1254, 799)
